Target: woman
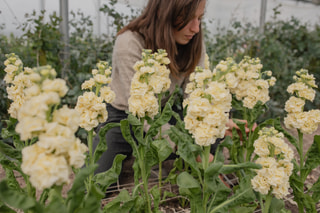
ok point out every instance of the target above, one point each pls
(173, 25)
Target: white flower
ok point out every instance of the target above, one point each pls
(30, 127)
(260, 184)
(275, 157)
(151, 78)
(302, 90)
(294, 105)
(45, 169)
(57, 85)
(92, 110)
(76, 154)
(107, 94)
(88, 84)
(208, 105)
(10, 69)
(31, 91)
(101, 79)
(201, 78)
(231, 80)
(146, 105)
(307, 122)
(67, 117)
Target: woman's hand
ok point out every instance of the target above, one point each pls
(230, 125)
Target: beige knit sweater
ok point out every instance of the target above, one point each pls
(126, 52)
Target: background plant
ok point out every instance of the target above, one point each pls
(283, 46)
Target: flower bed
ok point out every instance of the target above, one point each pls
(46, 153)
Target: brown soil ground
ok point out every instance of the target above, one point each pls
(172, 204)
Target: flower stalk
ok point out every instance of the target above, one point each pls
(266, 206)
(205, 164)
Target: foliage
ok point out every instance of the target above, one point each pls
(283, 48)
(119, 19)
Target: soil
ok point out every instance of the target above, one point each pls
(172, 205)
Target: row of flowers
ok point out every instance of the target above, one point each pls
(46, 150)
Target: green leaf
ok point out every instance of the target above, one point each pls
(213, 170)
(276, 205)
(55, 202)
(156, 196)
(77, 192)
(220, 192)
(149, 159)
(219, 155)
(10, 130)
(12, 181)
(242, 127)
(312, 157)
(179, 123)
(92, 202)
(5, 209)
(102, 145)
(163, 148)
(316, 191)
(10, 151)
(126, 133)
(309, 204)
(300, 197)
(164, 118)
(185, 147)
(105, 179)
(133, 120)
(17, 199)
(230, 168)
(122, 203)
(211, 174)
(243, 195)
(10, 166)
(190, 187)
(258, 110)
(185, 180)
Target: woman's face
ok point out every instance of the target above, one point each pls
(184, 35)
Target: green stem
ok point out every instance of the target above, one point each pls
(30, 189)
(159, 102)
(98, 86)
(145, 181)
(141, 162)
(160, 137)
(266, 207)
(261, 201)
(90, 146)
(249, 144)
(205, 164)
(91, 160)
(160, 177)
(300, 135)
(26, 143)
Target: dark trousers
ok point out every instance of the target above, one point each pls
(117, 144)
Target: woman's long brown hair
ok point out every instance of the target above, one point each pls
(156, 24)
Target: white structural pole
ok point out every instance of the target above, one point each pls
(263, 14)
(64, 29)
(42, 5)
(98, 18)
